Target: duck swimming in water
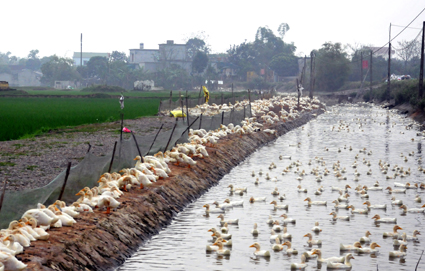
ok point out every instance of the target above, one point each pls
(259, 252)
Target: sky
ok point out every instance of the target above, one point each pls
(54, 27)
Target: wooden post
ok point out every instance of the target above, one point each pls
(200, 122)
(222, 117)
(250, 109)
(370, 69)
(188, 127)
(389, 73)
(112, 158)
(172, 132)
(137, 145)
(89, 147)
(199, 97)
(244, 112)
(171, 97)
(187, 110)
(421, 72)
(361, 68)
(311, 75)
(298, 89)
(233, 95)
(66, 179)
(122, 125)
(2, 194)
(154, 139)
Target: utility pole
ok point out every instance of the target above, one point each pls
(361, 68)
(81, 51)
(421, 73)
(311, 74)
(389, 67)
(370, 69)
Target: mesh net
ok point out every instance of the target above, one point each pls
(88, 171)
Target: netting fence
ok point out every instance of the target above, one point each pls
(88, 171)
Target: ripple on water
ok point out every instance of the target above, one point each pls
(181, 246)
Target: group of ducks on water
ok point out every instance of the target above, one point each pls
(222, 238)
(35, 223)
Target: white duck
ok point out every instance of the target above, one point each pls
(311, 241)
(277, 246)
(259, 252)
(299, 266)
(358, 211)
(349, 247)
(301, 190)
(277, 227)
(339, 205)
(400, 253)
(324, 260)
(346, 265)
(279, 207)
(376, 206)
(255, 231)
(212, 211)
(384, 219)
(398, 242)
(413, 237)
(287, 219)
(371, 249)
(366, 238)
(11, 263)
(215, 247)
(394, 234)
(335, 217)
(395, 201)
(412, 210)
(228, 221)
(316, 227)
(234, 203)
(290, 250)
(221, 250)
(259, 199)
(310, 202)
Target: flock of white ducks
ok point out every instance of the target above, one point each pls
(365, 244)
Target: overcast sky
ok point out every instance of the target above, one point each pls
(54, 27)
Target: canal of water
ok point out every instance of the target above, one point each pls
(386, 136)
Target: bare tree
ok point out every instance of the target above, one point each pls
(407, 50)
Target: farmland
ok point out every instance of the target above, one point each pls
(22, 117)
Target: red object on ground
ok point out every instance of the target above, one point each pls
(125, 130)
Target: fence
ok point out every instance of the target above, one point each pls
(88, 171)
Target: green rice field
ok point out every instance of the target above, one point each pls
(21, 117)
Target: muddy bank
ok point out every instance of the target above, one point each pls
(103, 242)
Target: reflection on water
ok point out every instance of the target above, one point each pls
(181, 246)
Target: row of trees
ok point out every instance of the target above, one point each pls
(335, 64)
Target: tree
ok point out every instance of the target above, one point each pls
(33, 54)
(118, 56)
(284, 64)
(58, 69)
(199, 62)
(98, 66)
(283, 28)
(408, 50)
(33, 62)
(197, 43)
(332, 67)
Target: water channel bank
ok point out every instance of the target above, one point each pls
(103, 242)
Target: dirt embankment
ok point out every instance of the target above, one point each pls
(103, 242)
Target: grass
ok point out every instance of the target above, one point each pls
(26, 117)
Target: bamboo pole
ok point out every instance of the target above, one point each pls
(200, 122)
(2, 194)
(137, 146)
(154, 139)
(172, 132)
(112, 158)
(66, 179)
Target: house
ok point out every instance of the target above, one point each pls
(154, 59)
(86, 57)
(18, 76)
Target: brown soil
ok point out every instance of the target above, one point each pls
(31, 163)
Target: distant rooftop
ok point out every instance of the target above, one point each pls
(89, 55)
